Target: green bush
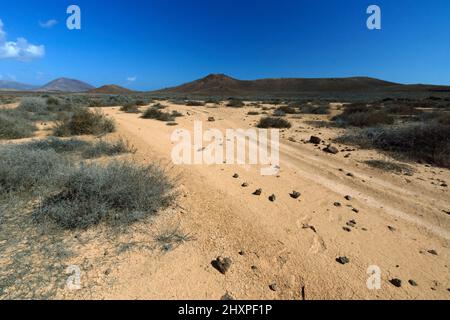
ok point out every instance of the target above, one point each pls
(104, 148)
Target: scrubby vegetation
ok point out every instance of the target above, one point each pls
(119, 192)
(235, 103)
(84, 121)
(130, 108)
(15, 125)
(192, 103)
(154, 113)
(271, 122)
(391, 166)
(314, 109)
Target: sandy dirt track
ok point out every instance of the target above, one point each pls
(291, 243)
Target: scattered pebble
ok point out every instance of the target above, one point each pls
(337, 204)
(412, 283)
(331, 149)
(391, 228)
(347, 229)
(211, 119)
(272, 198)
(235, 176)
(222, 264)
(257, 192)
(355, 210)
(245, 185)
(227, 297)
(295, 195)
(433, 252)
(315, 140)
(273, 287)
(350, 175)
(349, 198)
(396, 282)
(343, 260)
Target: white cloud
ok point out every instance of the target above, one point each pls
(48, 24)
(132, 79)
(20, 49)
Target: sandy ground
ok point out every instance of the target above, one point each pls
(290, 244)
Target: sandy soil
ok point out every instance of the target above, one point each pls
(291, 243)
(286, 249)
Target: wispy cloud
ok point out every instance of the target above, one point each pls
(132, 79)
(48, 24)
(20, 49)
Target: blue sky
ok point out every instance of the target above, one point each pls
(152, 44)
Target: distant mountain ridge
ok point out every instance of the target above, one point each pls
(223, 85)
(13, 85)
(66, 85)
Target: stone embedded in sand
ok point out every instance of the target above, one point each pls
(331, 149)
(433, 252)
(211, 119)
(396, 282)
(227, 297)
(295, 195)
(257, 192)
(347, 229)
(273, 287)
(351, 223)
(413, 283)
(349, 198)
(351, 175)
(272, 198)
(343, 260)
(315, 140)
(355, 210)
(337, 204)
(244, 185)
(235, 176)
(222, 264)
(391, 228)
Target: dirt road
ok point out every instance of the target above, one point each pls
(287, 249)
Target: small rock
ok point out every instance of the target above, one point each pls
(355, 210)
(412, 283)
(396, 282)
(337, 204)
(211, 119)
(254, 268)
(235, 176)
(433, 252)
(351, 223)
(350, 175)
(257, 192)
(347, 229)
(295, 195)
(222, 264)
(331, 149)
(245, 185)
(391, 228)
(227, 297)
(242, 253)
(349, 198)
(272, 198)
(273, 287)
(315, 140)
(343, 260)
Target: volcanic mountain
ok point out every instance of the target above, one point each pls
(111, 89)
(66, 85)
(223, 85)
